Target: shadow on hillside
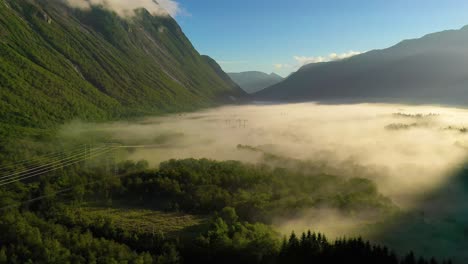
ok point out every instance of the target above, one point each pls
(438, 226)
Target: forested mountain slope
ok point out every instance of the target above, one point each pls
(58, 63)
(431, 69)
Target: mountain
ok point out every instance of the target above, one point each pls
(59, 63)
(431, 69)
(254, 81)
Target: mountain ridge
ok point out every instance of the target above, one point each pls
(429, 69)
(254, 81)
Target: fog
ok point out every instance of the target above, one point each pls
(413, 153)
(125, 8)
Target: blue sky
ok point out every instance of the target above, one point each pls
(278, 36)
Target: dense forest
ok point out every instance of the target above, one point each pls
(235, 202)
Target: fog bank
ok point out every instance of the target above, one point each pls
(411, 152)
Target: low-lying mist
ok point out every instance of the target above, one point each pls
(415, 154)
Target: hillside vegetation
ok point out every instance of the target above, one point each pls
(64, 228)
(59, 63)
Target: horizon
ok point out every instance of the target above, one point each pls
(281, 47)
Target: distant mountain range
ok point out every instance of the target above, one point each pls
(431, 69)
(58, 63)
(254, 81)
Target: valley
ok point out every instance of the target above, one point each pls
(121, 143)
(294, 167)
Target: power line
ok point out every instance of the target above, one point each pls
(30, 165)
(47, 170)
(52, 194)
(35, 159)
(46, 165)
(88, 155)
(53, 167)
(52, 155)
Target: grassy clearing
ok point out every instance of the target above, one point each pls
(149, 221)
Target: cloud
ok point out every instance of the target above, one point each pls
(303, 60)
(171, 6)
(280, 66)
(125, 8)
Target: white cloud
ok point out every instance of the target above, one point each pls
(303, 60)
(171, 6)
(280, 66)
(125, 8)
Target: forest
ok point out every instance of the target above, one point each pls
(234, 203)
(103, 159)
(171, 189)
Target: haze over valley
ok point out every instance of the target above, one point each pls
(414, 154)
(121, 143)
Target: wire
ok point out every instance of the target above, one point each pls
(46, 165)
(47, 156)
(35, 159)
(52, 194)
(51, 167)
(47, 170)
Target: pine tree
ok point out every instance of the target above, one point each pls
(3, 256)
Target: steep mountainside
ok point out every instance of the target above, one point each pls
(254, 81)
(58, 63)
(432, 69)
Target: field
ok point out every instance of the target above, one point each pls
(168, 224)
